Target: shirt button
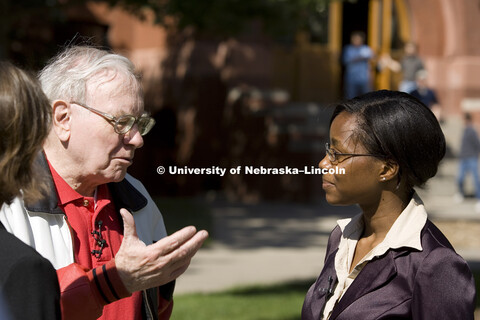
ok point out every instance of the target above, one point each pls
(86, 203)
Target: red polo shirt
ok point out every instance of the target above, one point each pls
(97, 235)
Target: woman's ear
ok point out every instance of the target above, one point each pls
(61, 120)
(389, 171)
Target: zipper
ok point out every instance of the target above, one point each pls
(148, 310)
(71, 237)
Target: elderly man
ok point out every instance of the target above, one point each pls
(98, 226)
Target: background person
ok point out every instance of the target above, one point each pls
(410, 64)
(389, 261)
(28, 282)
(356, 59)
(98, 226)
(469, 150)
(426, 95)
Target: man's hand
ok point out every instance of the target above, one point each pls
(141, 267)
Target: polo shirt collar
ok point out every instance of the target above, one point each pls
(123, 193)
(65, 193)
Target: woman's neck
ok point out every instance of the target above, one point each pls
(379, 218)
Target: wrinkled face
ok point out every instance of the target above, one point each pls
(101, 153)
(359, 184)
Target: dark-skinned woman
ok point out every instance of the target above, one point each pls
(390, 261)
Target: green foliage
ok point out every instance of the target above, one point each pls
(41, 26)
(230, 17)
(275, 302)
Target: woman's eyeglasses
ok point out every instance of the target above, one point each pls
(333, 155)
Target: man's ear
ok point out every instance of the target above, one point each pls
(61, 119)
(389, 171)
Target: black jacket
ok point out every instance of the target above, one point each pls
(28, 282)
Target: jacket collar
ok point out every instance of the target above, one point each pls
(374, 275)
(123, 193)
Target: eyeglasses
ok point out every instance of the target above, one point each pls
(124, 123)
(333, 155)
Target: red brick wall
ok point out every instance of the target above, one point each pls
(449, 41)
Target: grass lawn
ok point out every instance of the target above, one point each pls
(275, 302)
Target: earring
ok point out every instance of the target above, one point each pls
(383, 179)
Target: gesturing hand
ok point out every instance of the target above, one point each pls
(141, 267)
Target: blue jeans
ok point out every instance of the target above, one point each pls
(469, 165)
(356, 88)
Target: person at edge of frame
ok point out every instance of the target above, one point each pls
(28, 282)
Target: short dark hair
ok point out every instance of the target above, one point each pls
(402, 129)
(358, 33)
(25, 116)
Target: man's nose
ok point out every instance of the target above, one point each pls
(133, 137)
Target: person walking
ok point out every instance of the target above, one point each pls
(469, 150)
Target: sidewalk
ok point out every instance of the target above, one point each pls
(273, 242)
(259, 244)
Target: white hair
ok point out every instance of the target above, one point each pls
(66, 75)
(421, 74)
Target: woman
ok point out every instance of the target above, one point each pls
(28, 282)
(390, 261)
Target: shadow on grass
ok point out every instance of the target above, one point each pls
(247, 226)
(181, 212)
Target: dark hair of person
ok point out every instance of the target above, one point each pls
(359, 33)
(468, 116)
(402, 129)
(25, 116)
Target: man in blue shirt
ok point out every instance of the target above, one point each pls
(423, 92)
(356, 59)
